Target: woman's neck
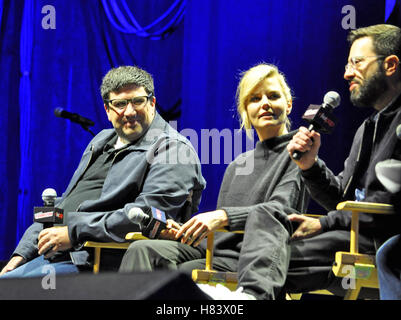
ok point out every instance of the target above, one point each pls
(270, 132)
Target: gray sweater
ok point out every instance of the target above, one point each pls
(273, 186)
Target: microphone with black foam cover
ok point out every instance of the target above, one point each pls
(152, 221)
(389, 171)
(48, 215)
(74, 117)
(320, 117)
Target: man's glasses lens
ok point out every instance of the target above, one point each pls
(122, 103)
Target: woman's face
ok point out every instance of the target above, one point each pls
(267, 108)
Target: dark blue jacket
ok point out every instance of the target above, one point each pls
(374, 141)
(161, 170)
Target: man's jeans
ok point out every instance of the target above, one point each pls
(37, 268)
(388, 260)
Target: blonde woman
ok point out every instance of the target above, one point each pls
(273, 188)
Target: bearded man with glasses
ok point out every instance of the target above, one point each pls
(373, 72)
(141, 163)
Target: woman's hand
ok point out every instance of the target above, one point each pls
(199, 226)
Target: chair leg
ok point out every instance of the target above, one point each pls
(96, 263)
(293, 296)
(352, 294)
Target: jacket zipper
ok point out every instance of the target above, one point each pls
(114, 158)
(87, 164)
(357, 160)
(359, 153)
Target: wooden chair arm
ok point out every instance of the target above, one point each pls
(357, 207)
(131, 236)
(106, 245)
(368, 207)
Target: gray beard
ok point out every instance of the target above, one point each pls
(370, 91)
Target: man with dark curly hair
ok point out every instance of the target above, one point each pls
(135, 166)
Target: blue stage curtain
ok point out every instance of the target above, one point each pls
(10, 30)
(26, 119)
(119, 14)
(63, 67)
(195, 65)
(305, 39)
(393, 12)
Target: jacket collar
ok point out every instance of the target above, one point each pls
(389, 110)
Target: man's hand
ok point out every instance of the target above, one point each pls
(308, 227)
(14, 262)
(171, 230)
(198, 227)
(307, 142)
(51, 240)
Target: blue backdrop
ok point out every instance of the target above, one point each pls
(56, 56)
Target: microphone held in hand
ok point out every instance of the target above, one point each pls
(320, 117)
(398, 131)
(152, 222)
(74, 117)
(48, 215)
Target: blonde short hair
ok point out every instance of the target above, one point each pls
(249, 80)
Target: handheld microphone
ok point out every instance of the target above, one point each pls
(398, 131)
(152, 222)
(389, 171)
(48, 215)
(74, 117)
(320, 117)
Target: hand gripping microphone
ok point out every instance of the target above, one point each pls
(389, 171)
(320, 117)
(152, 222)
(48, 214)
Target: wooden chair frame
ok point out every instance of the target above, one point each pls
(210, 276)
(359, 268)
(131, 236)
(98, 246)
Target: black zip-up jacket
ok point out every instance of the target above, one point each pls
(374, 141)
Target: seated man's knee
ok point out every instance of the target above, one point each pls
(140, 245)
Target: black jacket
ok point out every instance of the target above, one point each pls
(374, 141)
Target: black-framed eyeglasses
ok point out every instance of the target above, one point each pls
(354, 62)
(136, 102)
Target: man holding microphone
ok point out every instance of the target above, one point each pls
(373, 73)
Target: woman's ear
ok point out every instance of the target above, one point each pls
(289, 107)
